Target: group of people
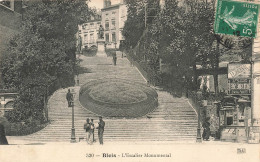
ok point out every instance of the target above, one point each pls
(89, 127)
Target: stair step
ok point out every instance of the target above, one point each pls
(172, 120)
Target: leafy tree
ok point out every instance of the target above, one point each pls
(134, 26)
(43, 52)
(182, 36)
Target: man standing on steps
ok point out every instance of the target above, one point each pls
(101, 126)
(69, 98)
(114, 58)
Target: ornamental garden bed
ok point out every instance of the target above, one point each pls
(118, 98)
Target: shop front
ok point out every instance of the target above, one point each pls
(235, 109)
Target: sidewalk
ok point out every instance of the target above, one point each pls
(16, 141)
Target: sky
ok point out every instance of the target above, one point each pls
(99, 3)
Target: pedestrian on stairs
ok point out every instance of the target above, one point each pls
(69, 98)
(114, 58)
(88, 133)
(101, 126)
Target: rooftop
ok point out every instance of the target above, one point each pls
(112, 6)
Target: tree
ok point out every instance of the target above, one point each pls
(134, 28)
(134, 25)
(43, 52)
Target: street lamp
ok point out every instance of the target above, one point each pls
(198, 139)
(73, 137)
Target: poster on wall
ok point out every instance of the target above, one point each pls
(239, 79)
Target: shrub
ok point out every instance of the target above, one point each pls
(22, 128)
(92, 51)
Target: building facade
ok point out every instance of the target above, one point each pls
(113, 19)
(88, 33)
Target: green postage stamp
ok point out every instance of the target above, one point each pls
(236, 18)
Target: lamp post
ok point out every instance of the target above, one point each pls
(73, 137)
(198, 139)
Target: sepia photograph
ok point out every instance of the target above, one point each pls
(129, 80)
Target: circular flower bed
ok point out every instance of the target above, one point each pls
(118, 98)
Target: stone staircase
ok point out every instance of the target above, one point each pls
(173, 120)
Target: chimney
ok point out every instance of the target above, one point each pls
(107, 3)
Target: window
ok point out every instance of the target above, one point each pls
(113, 23)
(107, 37)
(91, 38)
(92, 26)
(113, 37)
(229, 120)
(107, 25)
(98, 25)
(85, 38)
(85, 26)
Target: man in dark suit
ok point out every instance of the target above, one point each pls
(101, 126)
(69, 98)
